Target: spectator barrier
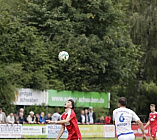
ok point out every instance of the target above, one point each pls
(10, 130)
(52, 130)
(137, 130)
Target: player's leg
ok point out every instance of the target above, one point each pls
(153, 134)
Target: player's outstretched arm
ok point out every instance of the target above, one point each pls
(148, 123)
(61, 132)
(61, 121)
(142, 129)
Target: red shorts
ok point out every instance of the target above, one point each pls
(73, 139)
(153, 132)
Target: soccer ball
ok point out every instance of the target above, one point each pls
(63, 56)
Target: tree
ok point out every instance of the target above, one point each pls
(93, 32)
(143, 32)
(101, 51)
(142, 19)
(23, 58)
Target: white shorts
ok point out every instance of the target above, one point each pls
(127, 137)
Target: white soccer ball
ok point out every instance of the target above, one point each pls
(63, 56)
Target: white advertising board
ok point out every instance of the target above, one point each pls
(26, 96)
(10, 130)
(52, 131)
(33, 130)
(109, 131)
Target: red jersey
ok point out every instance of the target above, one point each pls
(153, 120)
(72, 126)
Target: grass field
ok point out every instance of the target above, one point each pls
(65, 139)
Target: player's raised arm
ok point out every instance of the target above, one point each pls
(148, 123)
(61, 132)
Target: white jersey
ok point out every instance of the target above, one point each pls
(123, 117)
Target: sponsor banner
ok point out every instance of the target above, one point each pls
(109, 131)
(138, 132)
(82, 99)
(92, 131)
(26, 96)
(34, 130)
(10, 130)
(53, 130)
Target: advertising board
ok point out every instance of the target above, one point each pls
(10, 131)
(26, 96)
(82, 99)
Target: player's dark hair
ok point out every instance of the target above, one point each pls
(122, 101)
(72, 103)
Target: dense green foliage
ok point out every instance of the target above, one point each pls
(142, 17)
(101, 52)
(95, 33)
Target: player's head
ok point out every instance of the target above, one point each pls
(152, 107)
(69, 104)
(122, 101)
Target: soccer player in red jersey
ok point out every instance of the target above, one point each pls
(152, 122)
(69, 121)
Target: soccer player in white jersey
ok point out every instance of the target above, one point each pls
(122, 118)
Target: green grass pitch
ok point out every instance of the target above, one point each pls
(65, 139)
